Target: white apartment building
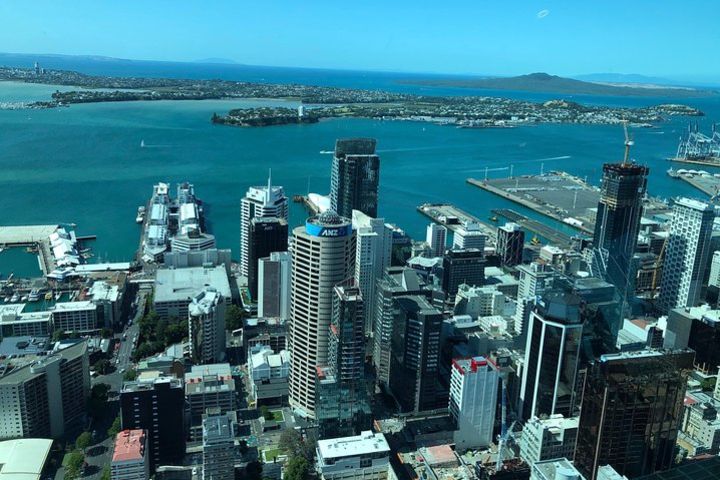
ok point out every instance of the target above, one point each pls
(436, 239)
(473, 401)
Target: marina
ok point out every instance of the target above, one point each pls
(454, 218)
(550, 234)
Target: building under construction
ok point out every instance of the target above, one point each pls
(696, 147)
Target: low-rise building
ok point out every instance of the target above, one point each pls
(208, 387)
(361, 457)
(16, 322)
(549, 438)
(176, 287)
(80, 317)
(24, 458)
(130, 460)
(269, 373)
(556, 469)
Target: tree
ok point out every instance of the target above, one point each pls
(58, 335)
(114, 428)
(105, 473)
(74, 465)
(296, 469)
(130, 375)
(266, 413)
(98, 398)
(253, 470)
(234, 317)
(83, 441)
(101, 366)
(293, 444)
(106, 333)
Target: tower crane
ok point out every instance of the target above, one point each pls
(628, 143)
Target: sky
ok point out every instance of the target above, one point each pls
(669, 38)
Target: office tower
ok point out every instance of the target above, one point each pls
(218, 448)
(510, 243)
(45, 398)
(130, 460)
(259, 201)
(274, 286)
(436, 238)
(697, 328)
(266, 235)
(156, 405)
(631, 411)
(714, 279)
(687, 254)
(355, 177)
(323, 255)
(469, 236)
(415, 356)
(473, 401)
(549, 438)
(374, 248)
(341, 400)
(551, 357)
(462, 266)
(208, 386)
(618, 221)
(396, 283)
(362, 457)
(206, 326)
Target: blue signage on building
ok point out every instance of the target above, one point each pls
(328, 231)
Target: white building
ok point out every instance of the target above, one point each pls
(218, 448)
(473, 401)
(687, 254)
(259, 201)
(714, 280)
(479, 301)
(469, 236)
(549, 438)
(206, 326)
(80, 317)
(175, 288)
(555, 469)
(274, 286)
(269, 373)
(362, 457)
(436, 238)
(108, 298)
(24, 458)
(372, 257)
(130, 460)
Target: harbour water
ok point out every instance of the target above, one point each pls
(85, 164)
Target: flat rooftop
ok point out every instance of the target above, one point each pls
(179, 284)
(24, 458)
(365, 443)
(26, 234)
(129, 446)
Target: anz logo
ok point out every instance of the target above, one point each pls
(331, 232)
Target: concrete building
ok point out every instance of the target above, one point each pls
(208, 387)
(436, 238)
(24, 458)
(510, 244)
(259, 201)
(462, 266)
(478, 301)
(44, 398)
(269, 373)
(206, 326)
(16, 322)
(473, 401)
(274, 286)
(109, 299)
(549, 438)
(697, 328)
(469, 236)
(555, 469)
(80, 317)
(355, 177)
(192, 241)
(687, 254)
(361, 457)
(265, 236)
(218, 448)
(372, 257)
(714, 279)
(323, 255)
(130, 460)
(175, 288)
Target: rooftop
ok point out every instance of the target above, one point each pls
(692, 203)
(365, 443)
(178, 284)
(24, 458)
(74, 306)
(129, 446)
(555, 469)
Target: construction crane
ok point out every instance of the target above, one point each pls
(505, 433)
(628, 143)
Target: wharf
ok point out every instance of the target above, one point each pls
(550, 234)
(33, 236)
(309, 205)
(709, 161)
(708, 184)
(558, 195)
(454, 218)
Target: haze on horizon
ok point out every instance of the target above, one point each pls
(672, 39)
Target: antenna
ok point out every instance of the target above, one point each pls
(628, 143)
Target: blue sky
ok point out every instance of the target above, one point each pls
(671, 38)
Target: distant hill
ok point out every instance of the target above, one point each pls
(545, 83)
(626, 78)
(226, 61)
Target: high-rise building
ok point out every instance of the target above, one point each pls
(618, 221)
(274, 286)
(548, 438)
(130, 460)
(206, 326)
(632, 411)
(156, 405)
(323, 255)
(44, 398)
(355, 177)
(469, 236)
(218, 447)
(687, 254)
(549, 382)
(341, 404)
(374, 248)
(473, 401)
(462, 266)
(259, 201)
(415, 356)
(714, 279)
(436, 238)
(510, 243)
(266, 235)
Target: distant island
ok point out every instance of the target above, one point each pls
(545, 83)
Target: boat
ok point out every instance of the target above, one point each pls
(535, 240)
(14, 298)
(673, 173)
(140, 218)
(58, 295)
(24, 298)
(34, 295)
(493, 219)
(48, 296)
(142, 143)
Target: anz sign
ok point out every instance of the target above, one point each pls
(329, 231)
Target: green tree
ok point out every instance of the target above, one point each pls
(101, 366)
(74, 465)
(83, 441)
(234, 316)
(98, 397)
(266, 413)
(130, 375)
(105, 473)
(58, 335)
(106, 333)
(296, 469)
(293, 444)
(114, 428)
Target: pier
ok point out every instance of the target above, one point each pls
(550, 234)
(36, 237)
(454, 218)
(706, 183)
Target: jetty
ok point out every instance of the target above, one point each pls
(552, 235)
(453, 218)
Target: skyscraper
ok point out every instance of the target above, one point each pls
(355, 177)
(473, 401)
(342, 407)
(551, 357)
(687, 254)
(436, 238)
(510, 244)
(259, 201)
(323, 255)
(631, 411)
(618, 220)
(274, 286)
(462, 266)
(374, 248)
(266, 235)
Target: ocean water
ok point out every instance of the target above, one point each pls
(84, 164)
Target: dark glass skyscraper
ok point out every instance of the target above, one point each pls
(462, 265)
(618, 221)
(355, 177)
(266, 235)
(631, 411)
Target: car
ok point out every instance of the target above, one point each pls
(122, 370)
